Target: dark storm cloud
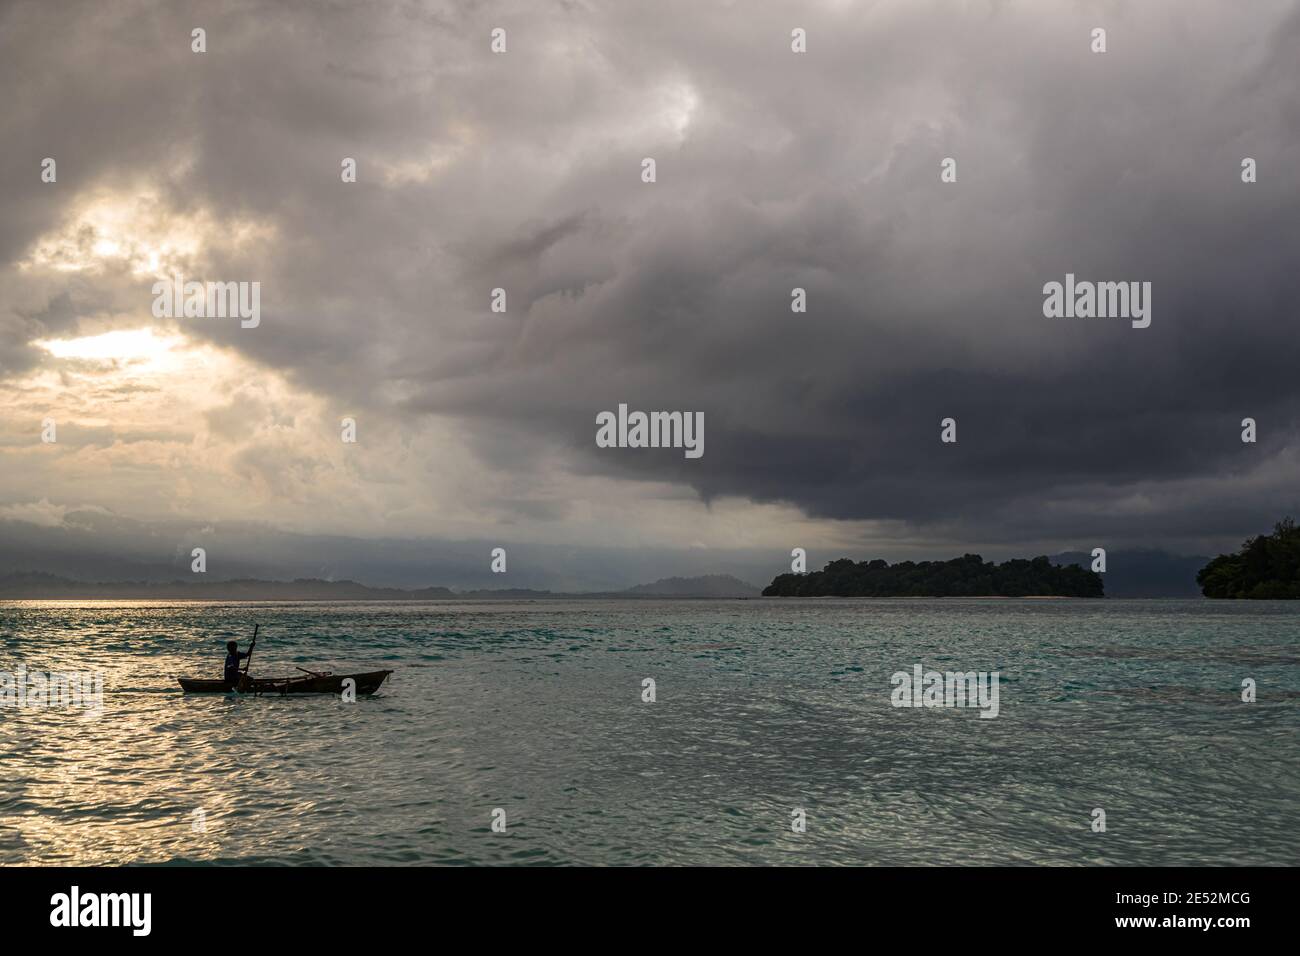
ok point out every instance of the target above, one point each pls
(775, 170)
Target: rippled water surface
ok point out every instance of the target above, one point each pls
(762, 707)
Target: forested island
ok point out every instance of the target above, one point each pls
(1266, 568)
(967, 576)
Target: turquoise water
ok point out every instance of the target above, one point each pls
(761, 707)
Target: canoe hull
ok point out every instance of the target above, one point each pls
(366, 683)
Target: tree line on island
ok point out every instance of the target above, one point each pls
(1266, 568)
(967, 576)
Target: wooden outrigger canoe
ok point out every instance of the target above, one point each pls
(309, 683)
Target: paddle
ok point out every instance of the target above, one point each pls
(249, 659)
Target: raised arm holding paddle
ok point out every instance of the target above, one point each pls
(234, 676)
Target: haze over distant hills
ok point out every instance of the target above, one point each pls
(90, 546)
(708, 585)
(34, 586)
(1144, 573)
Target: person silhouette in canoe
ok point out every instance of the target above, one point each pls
(233, 656)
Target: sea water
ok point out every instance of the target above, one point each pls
(538, 716)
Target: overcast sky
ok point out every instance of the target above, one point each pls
(523, 170)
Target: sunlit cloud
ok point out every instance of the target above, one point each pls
(140, 234)
(431, 160)
(679, 103)
(41, 513)
(122, 345)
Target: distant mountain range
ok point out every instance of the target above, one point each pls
(38, 585)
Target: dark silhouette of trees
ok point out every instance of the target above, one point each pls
(1266, 567)
(967, 576)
